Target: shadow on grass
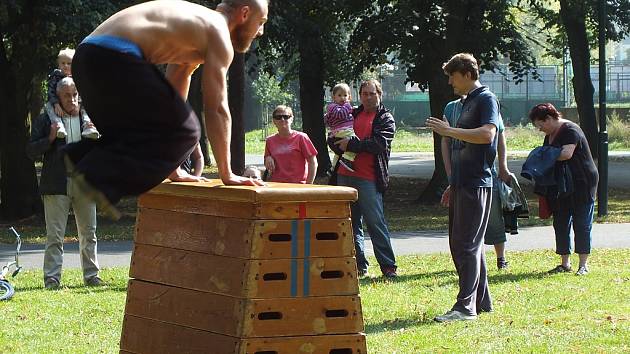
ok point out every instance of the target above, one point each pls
(510, 277)
(399, 323)
(446, 277)
(78, 289)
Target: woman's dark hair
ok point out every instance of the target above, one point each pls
(541, 111)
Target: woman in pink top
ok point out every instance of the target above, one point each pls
(290, 156)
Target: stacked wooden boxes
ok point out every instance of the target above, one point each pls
(256, 270)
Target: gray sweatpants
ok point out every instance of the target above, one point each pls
(56, 209)
(468, 218)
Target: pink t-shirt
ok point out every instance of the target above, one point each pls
(290, 154)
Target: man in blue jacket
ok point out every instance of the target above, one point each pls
(470, 193)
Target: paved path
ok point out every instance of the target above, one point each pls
(114, 254)
(421, 165)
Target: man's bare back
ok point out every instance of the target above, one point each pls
(170, 32)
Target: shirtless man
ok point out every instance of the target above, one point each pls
(147, 128)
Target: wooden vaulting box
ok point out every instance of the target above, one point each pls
(236, 269)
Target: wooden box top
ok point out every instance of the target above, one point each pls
(272, 192)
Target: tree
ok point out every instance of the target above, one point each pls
(236, 98)
(269, 91)
(576, 23)
(32, 34)
(422, 34)
(309, 39)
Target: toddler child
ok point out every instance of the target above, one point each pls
(339, 121)
(252, 172)
(53, 108)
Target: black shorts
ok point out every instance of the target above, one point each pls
(147, 129)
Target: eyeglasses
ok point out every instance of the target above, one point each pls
(282, 116)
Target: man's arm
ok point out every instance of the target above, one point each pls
(217, 111)
(197, 160)
(312, 169)
(567, 152)
(504, 172)
(179, 76)
(482, 135)
(446, 154)
(43, 134)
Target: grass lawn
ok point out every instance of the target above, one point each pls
(519, 138)
(534, 312)
(404, 213)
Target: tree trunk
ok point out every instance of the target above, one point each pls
(440, 93)
(311, 78)
(236, 97)
(572, 14)
(464, 18)
(195, 99)
(19, 196)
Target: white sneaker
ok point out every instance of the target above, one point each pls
(90, 133)
(582, 270)
(61, 132)
(454, 315)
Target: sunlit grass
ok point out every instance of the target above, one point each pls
(533, 311)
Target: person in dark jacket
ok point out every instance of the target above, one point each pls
(576, 208)
(374, 127)
(59, 193)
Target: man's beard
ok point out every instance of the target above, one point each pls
(240, 42)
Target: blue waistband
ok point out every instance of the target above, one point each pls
(115, 43)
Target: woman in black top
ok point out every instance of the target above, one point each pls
(577, 207)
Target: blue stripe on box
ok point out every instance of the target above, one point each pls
(294, 253)
(307, 254)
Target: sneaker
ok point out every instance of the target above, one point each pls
(95, 281)
(582, 270)
(90, 133)
(102, 203)
(363, 273)
(51, 284)
(560, 269)
(454, 315)
(389, 272)
(502, 263)
(61, 132)
(346, 163)
(482, 310)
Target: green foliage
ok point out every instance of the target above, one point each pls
(618, 25)
(294, 23)
(523, 138)
(423, 34)
(269, 91)
(32, 34)
(618, 132)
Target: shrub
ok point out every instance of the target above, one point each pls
(618, 131)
